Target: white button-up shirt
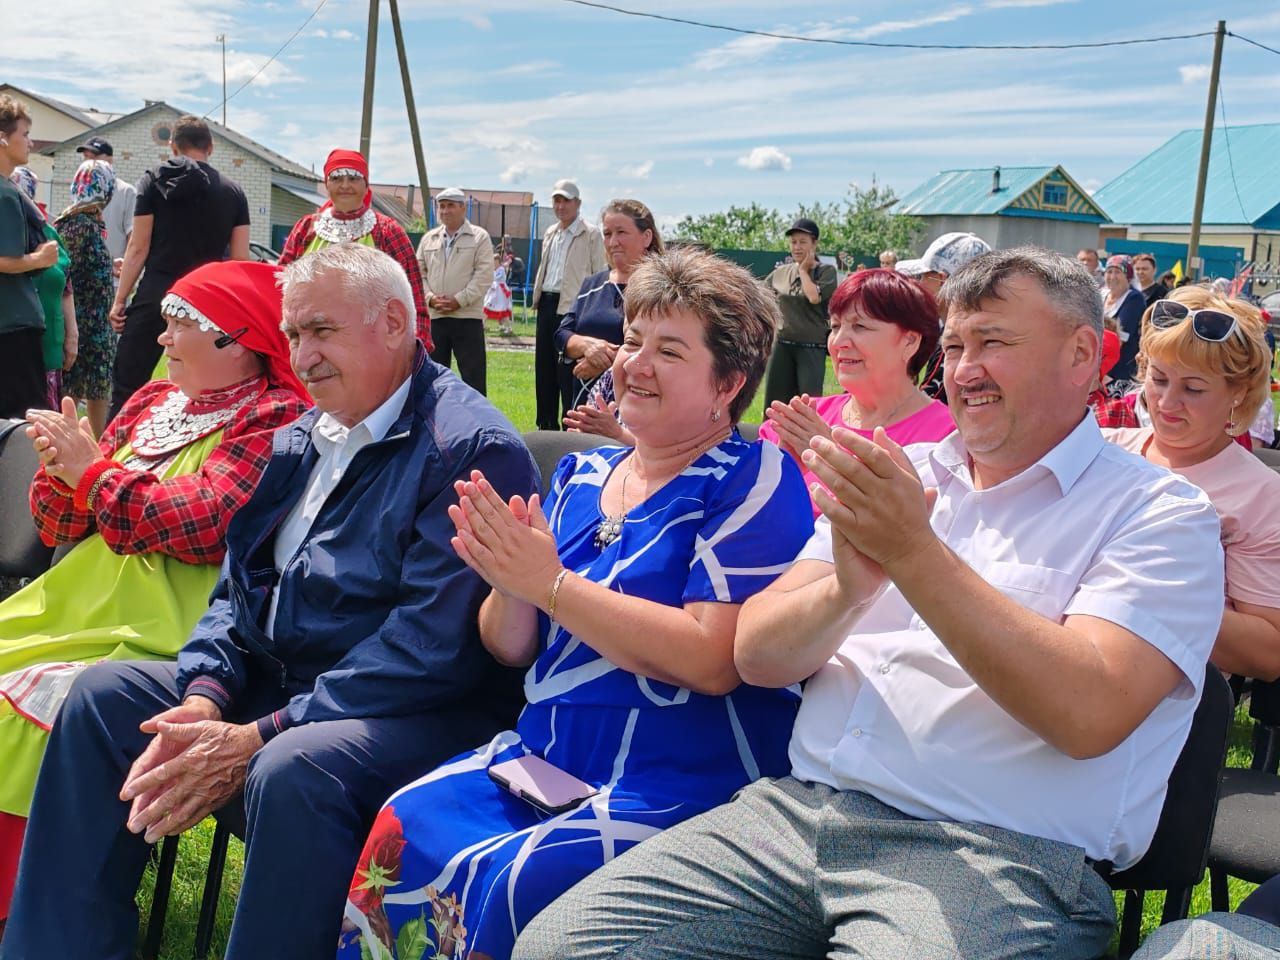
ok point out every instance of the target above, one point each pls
(1088, 530)
(337, 446)
(557, 251)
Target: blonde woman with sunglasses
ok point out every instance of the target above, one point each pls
(1205, 371)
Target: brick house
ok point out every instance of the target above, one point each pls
(279, 191)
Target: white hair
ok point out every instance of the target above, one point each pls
(372, 277)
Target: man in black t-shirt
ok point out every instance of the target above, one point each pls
(187, 215)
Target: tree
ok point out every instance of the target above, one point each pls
(860, 225)
(738, 228)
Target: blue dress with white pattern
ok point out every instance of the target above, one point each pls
(455, 865)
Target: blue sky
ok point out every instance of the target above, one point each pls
(516, 93)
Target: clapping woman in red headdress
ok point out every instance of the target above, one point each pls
(147, 507)
(349, 217)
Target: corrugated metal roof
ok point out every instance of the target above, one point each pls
(276, 160)
(968, 192)
(1161, 187)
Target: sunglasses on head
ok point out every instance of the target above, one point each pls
(1213, 326)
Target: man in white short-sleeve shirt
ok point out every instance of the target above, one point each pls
(1004, 637)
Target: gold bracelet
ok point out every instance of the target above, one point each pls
(97, 486)
(555, 589)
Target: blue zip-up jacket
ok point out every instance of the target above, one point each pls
(377, 615)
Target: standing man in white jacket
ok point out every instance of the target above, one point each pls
(457, 269)
(572, 250)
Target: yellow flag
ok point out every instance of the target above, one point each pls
(1177, 271)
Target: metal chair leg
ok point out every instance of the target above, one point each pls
(1131, 922)
(1177, 904)
(212, 888)
(160, 898)
(1220, 897)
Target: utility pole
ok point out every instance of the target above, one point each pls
(413, 111)
(1206, 144)
(370, 65)
(222, 39)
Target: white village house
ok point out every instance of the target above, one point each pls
(279, 191)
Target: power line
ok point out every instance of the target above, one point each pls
(1254, 42)
(283, 46)
(886, 44)
(1226, 136)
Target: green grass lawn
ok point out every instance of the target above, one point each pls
(511, 390)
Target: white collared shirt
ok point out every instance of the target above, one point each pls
(557, 252)
(337, 446)
(1088, 530)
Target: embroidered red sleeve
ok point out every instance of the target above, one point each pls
(394, 241)
(186, 517)
(56, 517)
(296, 243)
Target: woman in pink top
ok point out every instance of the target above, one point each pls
(884, 328)
(1205, 369)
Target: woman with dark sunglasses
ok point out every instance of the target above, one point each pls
(1206, 371)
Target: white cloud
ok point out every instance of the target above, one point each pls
(515, 173)
(529, 67)
(1194, 73)
(343, 35)
(637, 171)
(1003, 4)
(708, 161)
(479, 21)
(319, 33)
(897, 26)
(751, 48)
(736, 52)
(765, 158)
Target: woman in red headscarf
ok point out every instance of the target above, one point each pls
(147, 507)
(349, 217)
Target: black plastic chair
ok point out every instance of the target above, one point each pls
(1268, 456)
(549, 447)
(22, 555)
(1179, 851)
(1246, 831)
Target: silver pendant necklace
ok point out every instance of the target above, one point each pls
(610, 528)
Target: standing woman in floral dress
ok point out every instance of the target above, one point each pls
(81, 228)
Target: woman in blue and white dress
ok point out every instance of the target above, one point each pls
(624, 598)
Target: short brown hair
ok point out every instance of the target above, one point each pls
(1145, 256)
(739, 320)
(1242, 359)
(191, 133)
(640, 215)
(11, 111)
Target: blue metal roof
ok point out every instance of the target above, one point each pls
(1161, 187)
(968, 192)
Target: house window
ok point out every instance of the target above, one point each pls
(1055, 195)
(161, 134)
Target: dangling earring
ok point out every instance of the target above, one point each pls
(715, 415)
(1231, 422)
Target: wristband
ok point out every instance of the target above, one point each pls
(91, 481)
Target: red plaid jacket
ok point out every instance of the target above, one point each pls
(1112, 411)
(390, 238)
(184, 517)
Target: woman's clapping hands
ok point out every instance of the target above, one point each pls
(797, 423)
(507, 543)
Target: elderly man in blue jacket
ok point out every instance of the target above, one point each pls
(339, 657)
